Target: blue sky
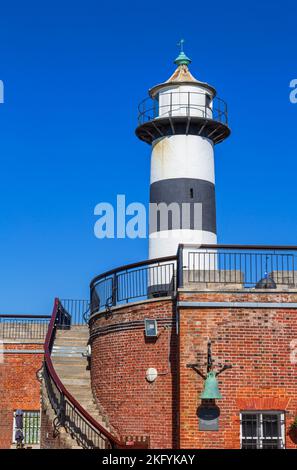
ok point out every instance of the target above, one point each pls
(74, 73)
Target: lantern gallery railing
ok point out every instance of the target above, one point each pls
(31, 327)
(239, 267)
(177, 104)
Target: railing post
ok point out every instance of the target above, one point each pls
(62, 409)
(180, 267)
(114, 290)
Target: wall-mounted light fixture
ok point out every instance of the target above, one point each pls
(150, 328)
(151, 374)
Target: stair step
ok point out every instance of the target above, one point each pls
(68, 344)
(71, 358)
(77, 367)
(69, 362)
(79, 374)
(78, 336)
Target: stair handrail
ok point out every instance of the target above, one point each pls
(113, 441)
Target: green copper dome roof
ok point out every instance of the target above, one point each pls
(182, 59)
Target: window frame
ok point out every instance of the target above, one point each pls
(208, 101)
(26, 414)
(259, 436)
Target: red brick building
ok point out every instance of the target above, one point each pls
(139, 385)
(254, 332)
(21, 344)
(251, 326)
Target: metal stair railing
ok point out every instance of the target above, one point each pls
(88, 433)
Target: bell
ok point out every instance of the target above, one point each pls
(211, 389)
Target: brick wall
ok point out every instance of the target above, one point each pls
(19, 387)
(118, 369)
(257, 343)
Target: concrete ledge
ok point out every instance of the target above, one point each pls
(22, 341)
(21, 351)
(283, 305)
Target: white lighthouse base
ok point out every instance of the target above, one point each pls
(165, 243)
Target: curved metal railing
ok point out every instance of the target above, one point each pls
(70, 414)
(243, 266)
(138, 281)
(177, 104)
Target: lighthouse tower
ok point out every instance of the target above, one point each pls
(182, 119)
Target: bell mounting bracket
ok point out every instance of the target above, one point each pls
(210, 364)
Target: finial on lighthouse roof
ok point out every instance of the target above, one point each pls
(182, 72)
(181, 75)
(182, 59)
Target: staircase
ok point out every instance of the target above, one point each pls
(71, 417)
(69, 411)
(72, 368)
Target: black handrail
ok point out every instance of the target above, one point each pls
(244, 266)
(131, 266)
(242, 247)
(21, 316)
(142, 280)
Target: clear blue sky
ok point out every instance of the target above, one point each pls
(74, 73)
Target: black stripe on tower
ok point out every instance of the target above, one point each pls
(184, 190)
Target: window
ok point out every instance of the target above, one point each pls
(31, 427)
(207, 101)
(262, 430)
